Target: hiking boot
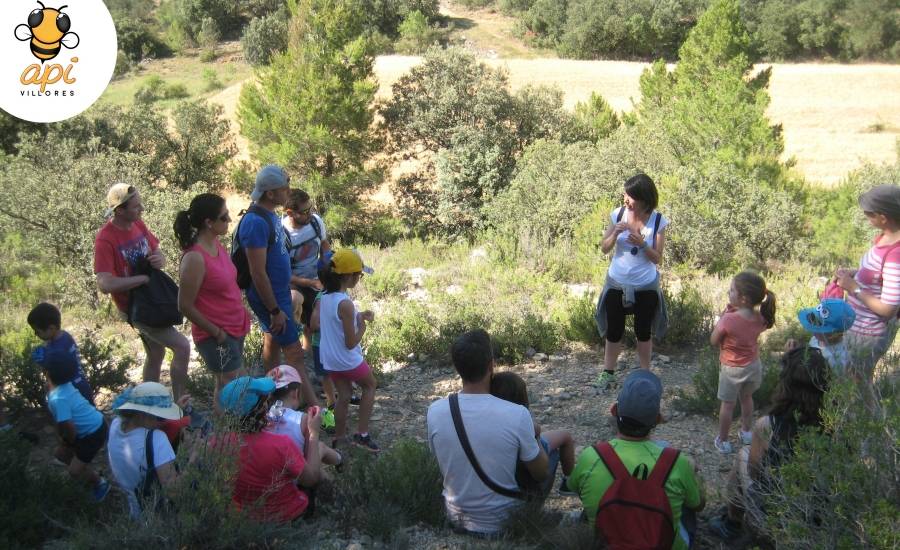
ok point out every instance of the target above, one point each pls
(723, 447)
(605, 381)
(365, 442)
(746, 437)
(724, 527)
(328, 421)
(355, 400)
(564, 488)
(101, 490)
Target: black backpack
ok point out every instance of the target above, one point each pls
(155, 304)
(239, 256)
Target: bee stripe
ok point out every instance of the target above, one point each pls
(39, 50)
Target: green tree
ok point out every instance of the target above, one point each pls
(311, 109)
(200, 145)
(263, 37)
(594, 119)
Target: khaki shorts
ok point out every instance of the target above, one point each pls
(733, 381)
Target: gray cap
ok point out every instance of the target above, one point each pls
(882, 199)
(268, 178)
(640, 397)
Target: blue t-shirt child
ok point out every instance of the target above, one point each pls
(60, 356)
(66, 403)
(254, 233)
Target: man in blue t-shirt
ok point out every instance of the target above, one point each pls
(60, 353)
(269, 295)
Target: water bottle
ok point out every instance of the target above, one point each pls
(276, 411)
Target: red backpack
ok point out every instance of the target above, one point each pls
(635, 514)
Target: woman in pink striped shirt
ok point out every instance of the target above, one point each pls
(874, 289)
(208, 293)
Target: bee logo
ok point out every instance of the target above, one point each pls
(48, 30)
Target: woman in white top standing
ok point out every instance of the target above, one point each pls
(637, 237)
(141, 411)
(342, 329)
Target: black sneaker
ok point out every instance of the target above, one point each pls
(355, 400)
(365, 442)
(564, 488)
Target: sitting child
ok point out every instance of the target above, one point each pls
(558, 444)
(827, 322)
(288, 420)
(60, 353)
(82, 432)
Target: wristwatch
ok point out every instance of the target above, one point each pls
(857, 291)
(274, 311)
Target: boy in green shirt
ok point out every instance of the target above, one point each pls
(637, 413)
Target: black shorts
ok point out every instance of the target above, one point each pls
(309, 301)
(87, 447)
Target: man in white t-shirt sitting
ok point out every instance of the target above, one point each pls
(499, 432)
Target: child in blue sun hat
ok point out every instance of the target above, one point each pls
(827, 322)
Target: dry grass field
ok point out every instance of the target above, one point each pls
(835, 117)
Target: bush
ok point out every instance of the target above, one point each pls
(703, 397)
(211, 79)
(400, 488)
(417, 35)
(264, 37)
(691, 317)
(386, 284)
(137, 40)
(576, 317)
(595, 120)
(105, 363)
(32, 494)
(185, 18)
(840, 488)
(202, 145)
(398, 331)
(155, 88)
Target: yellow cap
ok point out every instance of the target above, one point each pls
(347, 261)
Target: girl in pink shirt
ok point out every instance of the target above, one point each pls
(750, 311)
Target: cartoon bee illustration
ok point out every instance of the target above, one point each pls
(48, 30)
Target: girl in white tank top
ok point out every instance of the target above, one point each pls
(342, 327)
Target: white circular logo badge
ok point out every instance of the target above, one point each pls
(58, 57)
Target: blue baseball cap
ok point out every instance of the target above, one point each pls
(241, 395)
(830, 316)
(640, 397)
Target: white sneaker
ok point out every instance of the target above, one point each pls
(723, 447)
(746, 437)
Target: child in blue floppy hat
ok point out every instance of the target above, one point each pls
(274, 476)
(827, 322)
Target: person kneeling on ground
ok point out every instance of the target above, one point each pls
(635, 489)
(498, 432)
(558, 444)
(141, 456)
(270, 466)
(796, 403)
(287, 418)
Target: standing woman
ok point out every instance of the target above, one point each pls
(637, 235)
(874, 289)
(208, 293)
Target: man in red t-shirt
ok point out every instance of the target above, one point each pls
(122, 245)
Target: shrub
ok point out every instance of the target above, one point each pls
(386, 283)
(209, 33)
(137, 40)
(399, 331)
(690, 316)
(32, 493)
(594, 119)
(211, 80)
(417, 35)
(202, 145)
(703, 397)
(187, 17)
(402, 487)
(155, 88)
(105, 363)
(576, 316)
(263, 37)
(840, 488)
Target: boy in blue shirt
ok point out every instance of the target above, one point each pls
(60, 353)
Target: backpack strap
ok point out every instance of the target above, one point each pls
(467, 448)
(611, 460)
(620, 214)
(656, 228)
(664, 466)
(150, 479)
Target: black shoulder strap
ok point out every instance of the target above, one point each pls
(464, 441)
(317, 232)
(263, 213)
(620, 214)
(316, 227)
(150, 479)
(656, 227)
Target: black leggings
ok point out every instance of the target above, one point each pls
(644, 308)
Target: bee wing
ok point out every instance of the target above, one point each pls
(23, 32)
(70, 40)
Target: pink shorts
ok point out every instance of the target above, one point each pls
(353, 375)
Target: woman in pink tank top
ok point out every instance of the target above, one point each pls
(208, 293)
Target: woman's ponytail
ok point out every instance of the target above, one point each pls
(184, 231)
(767, 308)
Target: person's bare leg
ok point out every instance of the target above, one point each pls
(181, 356)
(154, 355)
(293, 356)
(329, 456)
(222, 380)
(746, 411)
(726, 412)
(81, 471)
(271, 352)
(366, 402)
(341, 407)
(562, 440)
(645, 350)
(611, 355)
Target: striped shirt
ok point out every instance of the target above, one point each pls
(878, 275)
